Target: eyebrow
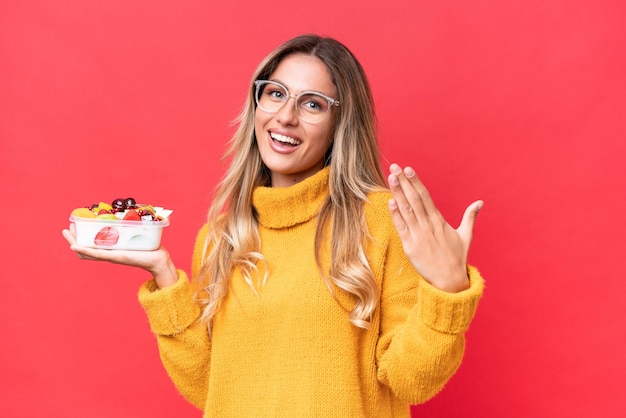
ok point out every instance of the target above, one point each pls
(289, 90)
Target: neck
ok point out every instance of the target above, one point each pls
(287, 180)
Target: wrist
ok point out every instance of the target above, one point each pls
(165, 274)
(458, 284)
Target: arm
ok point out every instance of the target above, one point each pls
(168, 299)
(183, 341)
(429, 294)
(422, 329)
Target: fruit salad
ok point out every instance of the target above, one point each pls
(122, 224)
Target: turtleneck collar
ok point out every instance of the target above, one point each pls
(283, 207)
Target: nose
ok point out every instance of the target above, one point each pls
(288, 114)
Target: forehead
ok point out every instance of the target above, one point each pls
(299, 72)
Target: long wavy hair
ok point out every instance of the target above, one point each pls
(233, 239)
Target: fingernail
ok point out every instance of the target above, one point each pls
(393, 180)
(395, 169)
(409, 172)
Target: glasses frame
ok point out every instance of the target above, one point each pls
(259, 83)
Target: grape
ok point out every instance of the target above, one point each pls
(130, 203)
(118, 205)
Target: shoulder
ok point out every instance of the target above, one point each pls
(377, 216)
(377, 205)
(202, 233)
(201, 238)
(206, 228)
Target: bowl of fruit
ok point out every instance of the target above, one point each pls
(120, 225)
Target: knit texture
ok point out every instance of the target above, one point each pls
(288, 349)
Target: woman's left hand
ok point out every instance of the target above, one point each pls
(436, 250)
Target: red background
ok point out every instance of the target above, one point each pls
(519, 103)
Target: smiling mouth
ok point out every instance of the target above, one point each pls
(283, 139)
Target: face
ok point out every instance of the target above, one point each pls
(294, 150)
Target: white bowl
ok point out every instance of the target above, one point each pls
(119, 235)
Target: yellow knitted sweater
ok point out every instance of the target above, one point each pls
(290, 350)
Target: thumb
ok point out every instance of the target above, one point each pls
(466, 228)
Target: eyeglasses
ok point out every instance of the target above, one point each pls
(311, 106)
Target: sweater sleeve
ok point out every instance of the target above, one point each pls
(183, 341)
(422, 329)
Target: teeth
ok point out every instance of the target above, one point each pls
(284, 139)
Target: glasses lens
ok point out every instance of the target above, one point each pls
(312, 107)
(270, 96)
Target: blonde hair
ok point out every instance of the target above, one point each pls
(233, 240)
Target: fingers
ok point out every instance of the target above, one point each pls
(466, 227)
(398, 219)
(412, 198)
(415, 186)
(412, 201)
(400, 189)
(70, 235)
(81, 252)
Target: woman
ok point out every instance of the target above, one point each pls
(316, 291)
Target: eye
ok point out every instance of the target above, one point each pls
(275, 93)
(313, 103)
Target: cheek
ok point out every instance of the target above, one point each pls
(328, 134)
(324, 141)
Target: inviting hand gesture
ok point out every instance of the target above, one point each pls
(436, 250)
(157, 262)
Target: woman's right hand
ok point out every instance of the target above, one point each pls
(157, 262)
